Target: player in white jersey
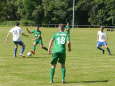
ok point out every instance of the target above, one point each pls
(102, 40)
(16, 34)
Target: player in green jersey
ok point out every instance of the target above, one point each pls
(67, 29)
(37, 39)
(58, 41)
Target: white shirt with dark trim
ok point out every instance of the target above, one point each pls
(101, 36)
(16, 33)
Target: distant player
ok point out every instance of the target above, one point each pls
(16, 33)
(58, 41)
(37, 39)
(67, 29)
(102, 40)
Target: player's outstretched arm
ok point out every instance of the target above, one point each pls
(50, 46)
(28, 31)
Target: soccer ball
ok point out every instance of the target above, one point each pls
(29, 54)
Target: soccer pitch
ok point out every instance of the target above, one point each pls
(86, 66)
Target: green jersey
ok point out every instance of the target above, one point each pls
(36, 34)
(67, 27)
(60, 40)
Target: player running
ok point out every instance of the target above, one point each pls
(102, 40)
(37, 39)
(67, 29)
(58, 41)
(16, 33)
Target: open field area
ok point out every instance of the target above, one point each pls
(86, 66)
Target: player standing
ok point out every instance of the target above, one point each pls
(37, 39)
(102, 41)
(16, 33)
(58, 41)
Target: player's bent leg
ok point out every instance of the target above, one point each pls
(33, 48)
(45, 48)
(52, 72)
(103, 51)
(106, 46)
(99, 47)
(53, 66)
(22, 49)
(109, 52)
(15, 49)
(62, 59)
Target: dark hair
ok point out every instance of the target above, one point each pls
(17, 23)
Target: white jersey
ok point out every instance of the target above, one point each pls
(101, 36)
(16, 33)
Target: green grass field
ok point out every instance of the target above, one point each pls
(86, 66)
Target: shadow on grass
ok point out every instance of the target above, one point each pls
(96, 81)
(35, 57)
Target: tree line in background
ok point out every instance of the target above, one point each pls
(93, 12)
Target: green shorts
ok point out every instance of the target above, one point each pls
(38, 41)
(58, 57)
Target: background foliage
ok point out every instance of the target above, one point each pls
(98, 12)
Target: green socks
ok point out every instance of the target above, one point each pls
(34, 48)
(52, 71)
(63, 70)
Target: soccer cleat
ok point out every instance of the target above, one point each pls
(51, 82)
(110, 54)
(22, 55)
(63, 81)
(14, 56)
(33, 52)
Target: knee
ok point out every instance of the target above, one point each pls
(62, 65)
(53, 66)
(42, 46)
(106, 46)
(23, 46)
(97, 47)
(16, 47)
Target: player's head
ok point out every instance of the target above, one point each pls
(61, 27)
(102, 28)
(67, 23)
(17, 23)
